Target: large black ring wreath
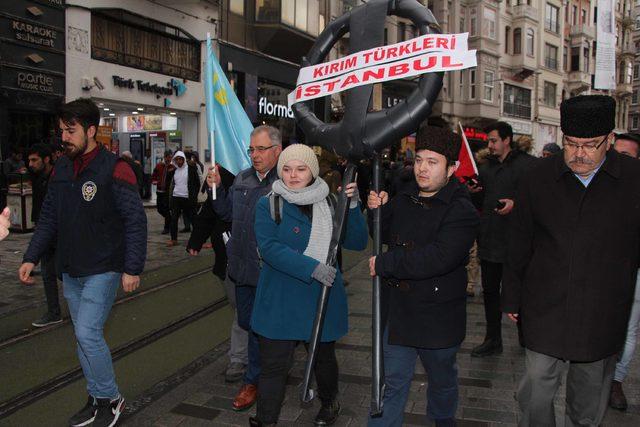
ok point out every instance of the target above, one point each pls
(361, 133)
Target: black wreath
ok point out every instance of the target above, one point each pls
(360, 134)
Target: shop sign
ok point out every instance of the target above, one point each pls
(273, 109)
(35, 34)
(172, 87)
(32, 81)
(473, 133)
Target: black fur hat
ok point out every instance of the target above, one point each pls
(439, 139)
(588, 116)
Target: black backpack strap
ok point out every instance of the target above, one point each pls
(275, 207)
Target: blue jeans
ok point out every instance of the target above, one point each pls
(245, 296)
(90, 299)
(622, 367)
(442, 388)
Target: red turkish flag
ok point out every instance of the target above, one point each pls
(467, 167)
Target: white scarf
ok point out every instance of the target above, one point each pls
(321, 223)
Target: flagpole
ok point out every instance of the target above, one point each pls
(211, 120)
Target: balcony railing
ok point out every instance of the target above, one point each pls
(584, 30)
(517, 110)
(551, 63)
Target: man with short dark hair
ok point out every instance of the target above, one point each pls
(629, 145)
(571, 270)
(499, 177)
(429, 228)
(93, 214)
(40, 166)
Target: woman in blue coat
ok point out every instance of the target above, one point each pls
(294, 253)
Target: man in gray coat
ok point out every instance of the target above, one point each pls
(573, 251)
(238, 206)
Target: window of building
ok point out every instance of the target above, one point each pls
(629, 74)
(530, 41)
(133, 41)
(574, 15)
(585, 62)
(489, 23)
(516, 102)
(565, 54)
(461, 85)
(566, 12)
(638, 22)
(236, 6)
(634, 122)
(584, 17)
(473, 22)
(401, 31)
(551, 18)
(550, 94)
(621, 73)
(472, 84)
(634, 97)
(488, 86)
(636, 72)
(507, 38)
(551, 56)
(575, 58)
(463, 16)
(517, 41)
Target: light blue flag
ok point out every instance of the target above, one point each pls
(228, 124)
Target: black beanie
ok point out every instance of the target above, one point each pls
(588, 116)
(439, 139)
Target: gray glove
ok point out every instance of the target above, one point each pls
(324, 274)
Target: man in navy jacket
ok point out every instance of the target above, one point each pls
(93, 215)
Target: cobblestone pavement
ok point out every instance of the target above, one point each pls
(198, 395)
(15, 297)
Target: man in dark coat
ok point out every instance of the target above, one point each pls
(93, 214)
(499, 177)
(429, 227)
(183, 187)
(238, 206)
(40, 166)
(571, 269)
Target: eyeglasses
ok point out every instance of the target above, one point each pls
(588, 148)
(251, 150)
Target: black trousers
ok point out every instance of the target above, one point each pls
(276, 358)
(179, 205)
(50, 280)
(491, 281)
(163, 207)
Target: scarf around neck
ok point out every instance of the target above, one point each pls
(321, 222)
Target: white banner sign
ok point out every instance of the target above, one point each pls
(424, 54)
(605, 77)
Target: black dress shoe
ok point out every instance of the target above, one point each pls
(328, 413)
(488, 348)
(254, 422)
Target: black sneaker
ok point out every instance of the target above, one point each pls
(86, 415)
(328, 413)
(108, 412)
(489, 347)
(46, 320)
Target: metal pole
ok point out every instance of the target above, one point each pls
(377, 363)
(339, 221)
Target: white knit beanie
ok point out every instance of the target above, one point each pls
(299, 152)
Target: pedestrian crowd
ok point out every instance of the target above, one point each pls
(553, 241)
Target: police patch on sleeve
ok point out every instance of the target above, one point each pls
(89, 190)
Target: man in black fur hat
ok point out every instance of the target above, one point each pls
(571, 269)
(429, 228)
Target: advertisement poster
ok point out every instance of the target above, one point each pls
(135, 123)
(104, 136)
(152, 122)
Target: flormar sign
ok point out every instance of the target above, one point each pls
(270, 109)
(425, 54)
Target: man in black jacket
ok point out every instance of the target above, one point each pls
(93, 214)
(571, 270)
(40, 166)
(499, 178)
(429, 227)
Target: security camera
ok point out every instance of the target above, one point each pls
(98, 83)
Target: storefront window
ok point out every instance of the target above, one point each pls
(288, 13)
